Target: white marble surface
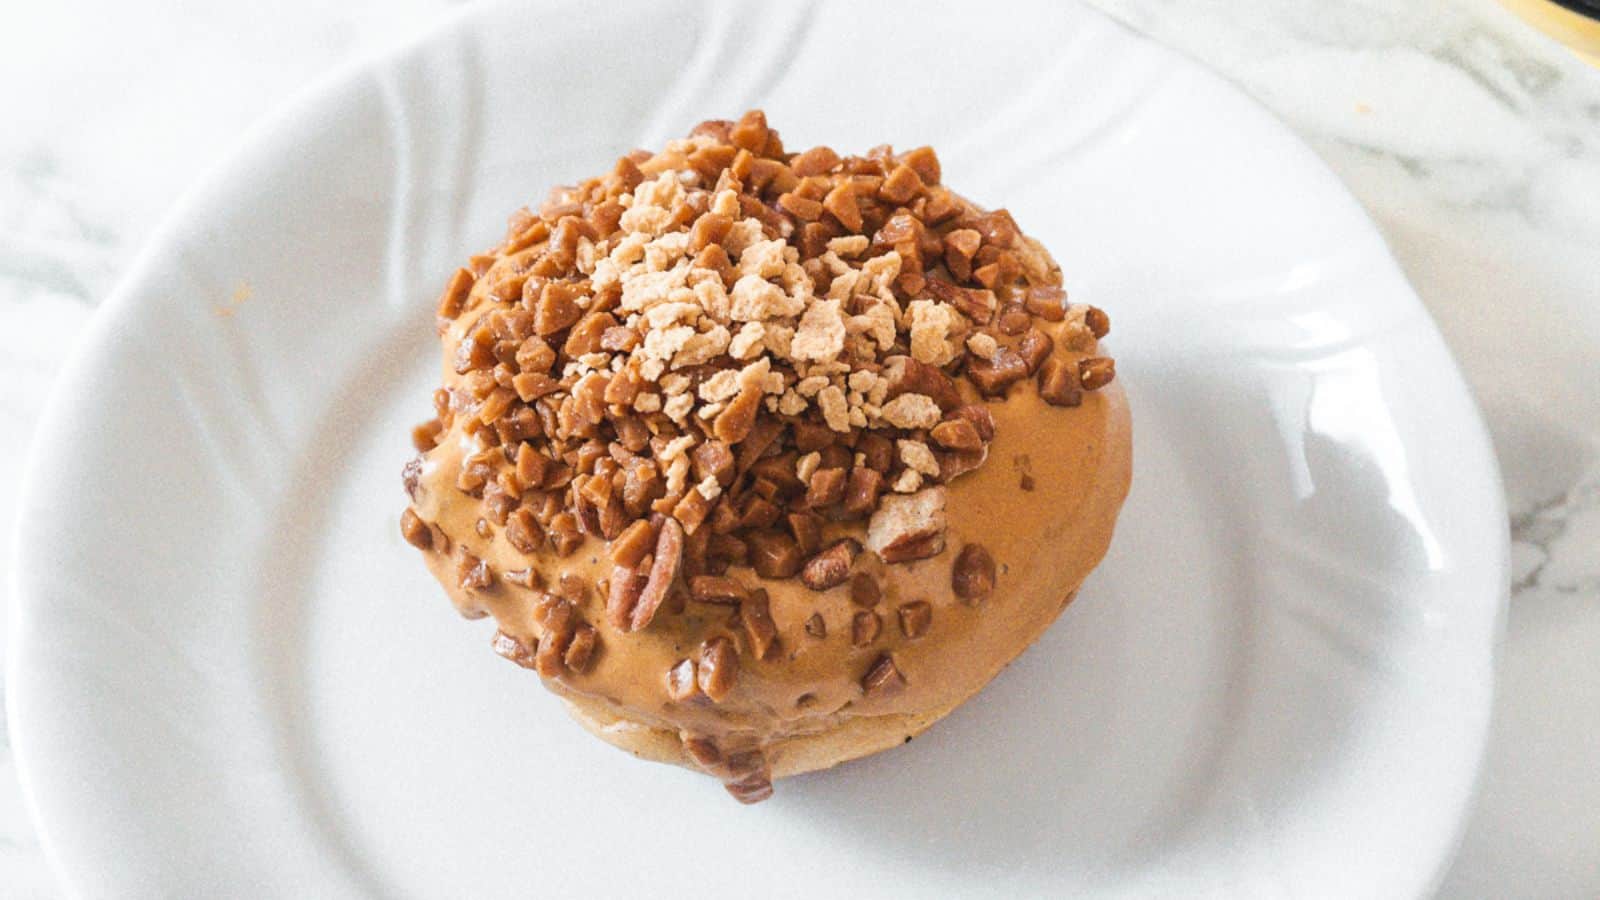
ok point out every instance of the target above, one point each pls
(1474, 142)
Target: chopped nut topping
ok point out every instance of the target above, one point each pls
(915, 617)
(633, 544)
(702, 750)
(1058, 383)
(513, 649)
(864, 628)
(718, 668)
(758, 624)
(414, 530)
(726, 355)
(473, 573)
(907, 527)
(663, 572)
(816, 627)
(774, 554)
(683, 684)
(911, 412)
(883, 677)
(751, 789)
(973, 575)
(865, 590)
(716, 589)
(831, 567)
(1096, 373)
(580, 652)
(1098, 323)
(622, 595)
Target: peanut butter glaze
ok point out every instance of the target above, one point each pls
(862, 655)
(1045, 542)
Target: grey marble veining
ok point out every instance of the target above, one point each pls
(1473, 141)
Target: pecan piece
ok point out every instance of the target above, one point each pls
(864, 628)
(1014, 320)
(865, 590)
(1034, 348)
(807, 530)
(751, 788)
(473, 573)
(861, 491)
(1058, 383)
(756, 612)
(980, 417)
(627, 583)
(683, 685)
(761, 436)
(826, 488)
(550, 658)
(1096, 372)
(809, 436)
(877, 450)
(1098, 323)
(973, 574)
(908, 526)
(995, 375)
(713, 459)
(580, 652)
(411, 475)
(572, 587)
(915, 617)
(831, 567)
(816, 627)
(702, 750)
(718, 668)
(956, 434)
(524, 532)
(512, 648)
(1048, 302)
(414, 530)
(911, 376)
(977, 304)
(883, 677)
(955, 463)
(663, 572)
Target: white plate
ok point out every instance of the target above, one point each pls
(231, 678)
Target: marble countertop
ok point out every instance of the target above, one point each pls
(1473, 141)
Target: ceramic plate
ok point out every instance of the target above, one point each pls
(231, 678)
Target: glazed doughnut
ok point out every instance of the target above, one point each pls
(766, 461)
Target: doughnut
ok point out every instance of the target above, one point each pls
(765, 461)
